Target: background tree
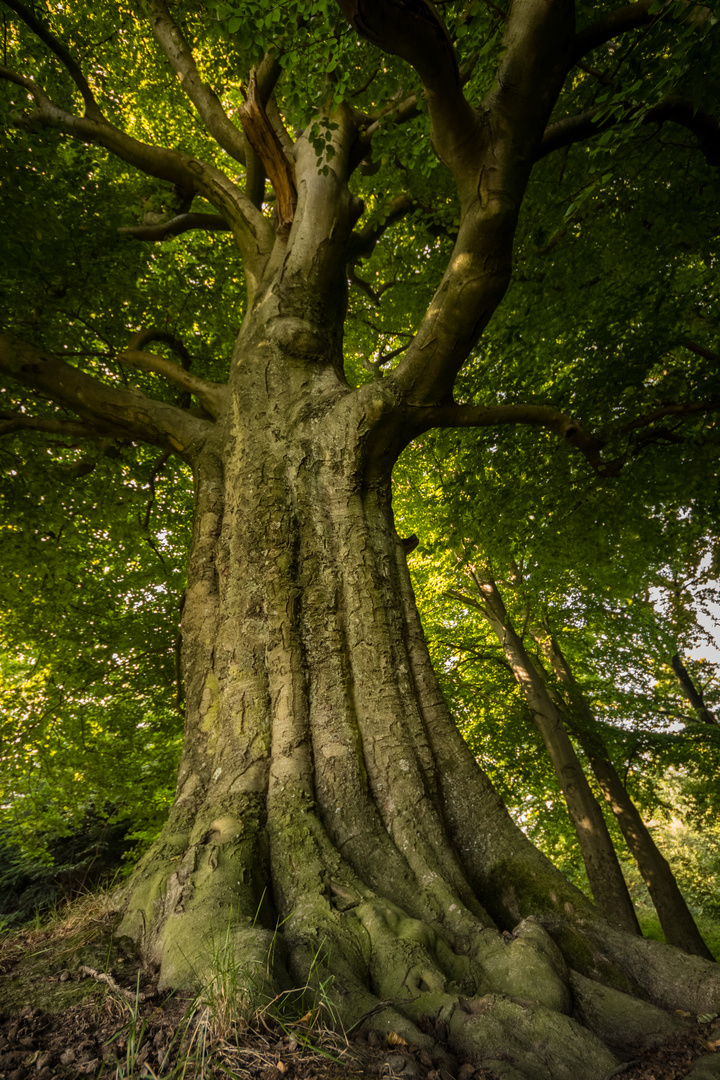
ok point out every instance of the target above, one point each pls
(323, 785)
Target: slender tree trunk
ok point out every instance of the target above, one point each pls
(692, 692)
(603, 869)
(675, 917)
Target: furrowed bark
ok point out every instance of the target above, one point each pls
(330, 825)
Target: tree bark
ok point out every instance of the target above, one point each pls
(676, 920)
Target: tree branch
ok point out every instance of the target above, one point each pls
(700, 350)
(212, 396)
(671, 409)
(92, 109)
(172, 42)
(676, 110)
(611, 25)
(253, 234)
(535, 415)
(175, 226)
(127, 412)
(412, 30)
(510, 124)
(631, 17)
(362, 242)
(397, 112)
(18, 421)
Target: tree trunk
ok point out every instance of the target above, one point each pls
(692, 692)
(675, 917)
(330, 825)
(603, 869)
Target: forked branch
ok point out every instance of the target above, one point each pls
(252, 232)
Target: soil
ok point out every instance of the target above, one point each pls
(74, 1002)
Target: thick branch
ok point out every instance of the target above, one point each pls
(252, 233)
(92, 108)
(127, 411)
(538, 41)
(203, 97)
(212, 396)
(412, 30)
(175, 226)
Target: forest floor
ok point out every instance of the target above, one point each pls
(74, 1004)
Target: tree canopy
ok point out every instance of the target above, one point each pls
(254, 255)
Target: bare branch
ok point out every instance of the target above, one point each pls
(212, 396)
(92, 108)
(126, 412)
(175, 226)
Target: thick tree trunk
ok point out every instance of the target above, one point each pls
(675, 917)
(330, 824)
(601, 863)
(328, 815)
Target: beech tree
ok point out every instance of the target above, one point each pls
(328, 814)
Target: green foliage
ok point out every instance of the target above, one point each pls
(63, 866)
